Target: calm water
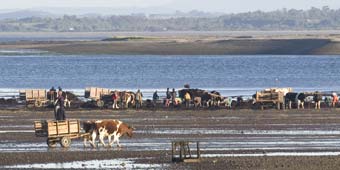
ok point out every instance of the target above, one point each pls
(229, 74)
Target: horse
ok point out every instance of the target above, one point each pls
(127, 98)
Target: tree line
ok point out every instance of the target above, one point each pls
(292, 19)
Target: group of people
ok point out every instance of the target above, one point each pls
(170, 98)
(138, 99)
(330, 101)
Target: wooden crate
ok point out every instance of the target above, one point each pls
(95, 92)
(35, 94)
(265, 96)
(40, 128)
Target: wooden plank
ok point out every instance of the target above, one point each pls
(191, 160)
(63, 127)
(29, 94)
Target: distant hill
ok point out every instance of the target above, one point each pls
(292, 19)
(24, 14)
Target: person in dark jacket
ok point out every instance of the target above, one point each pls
(155, 97)
(317, 97)
(59, 107)
(168, 97)
(173, 97)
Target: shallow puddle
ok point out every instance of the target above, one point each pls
(299, 143)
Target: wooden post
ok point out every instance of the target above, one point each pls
(173, 151)
(180, 152)
(68, 126)
(57, 127)
(198, 150)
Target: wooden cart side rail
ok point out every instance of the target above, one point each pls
(269, 101)
(71, 135)
(63, 127)
(40, 129)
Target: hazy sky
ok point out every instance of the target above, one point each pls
(227, 6)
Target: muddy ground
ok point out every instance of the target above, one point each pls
(229, 139)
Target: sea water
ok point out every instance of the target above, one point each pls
(229, 74)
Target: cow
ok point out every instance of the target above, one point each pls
(90, 128)
(299, 98)
(197, 102)
(106, 128)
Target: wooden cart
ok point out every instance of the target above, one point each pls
(58, 131)
(34, 97)
(273, 96)
(96, 95)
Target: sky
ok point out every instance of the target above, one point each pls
(225, 6)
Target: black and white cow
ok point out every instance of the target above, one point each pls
(298, 98)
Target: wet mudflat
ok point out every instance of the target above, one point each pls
(229, 139)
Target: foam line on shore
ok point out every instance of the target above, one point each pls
(240, 132)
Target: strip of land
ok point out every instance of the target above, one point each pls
(247, 43)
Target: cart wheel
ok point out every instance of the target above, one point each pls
(51, 143)
(29, 105)
(36, 103)
(65, 142)
(100, 103)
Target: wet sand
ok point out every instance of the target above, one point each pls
(182, 43)
(233, 139)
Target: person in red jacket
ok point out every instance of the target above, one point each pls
(115, 100)
(335, 99)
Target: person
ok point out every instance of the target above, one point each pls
(335, 99)
(115, 100)
(239, 100)
(317, 97)
(168, 97)
(187, 99)
(59, 107)
(52, 93)
(139, 99)
(155, 97)
(328, 101)
(173, 97)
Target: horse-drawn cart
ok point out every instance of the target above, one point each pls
(98, 95)
(58, 131)
(273, 96)
(34, 97)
